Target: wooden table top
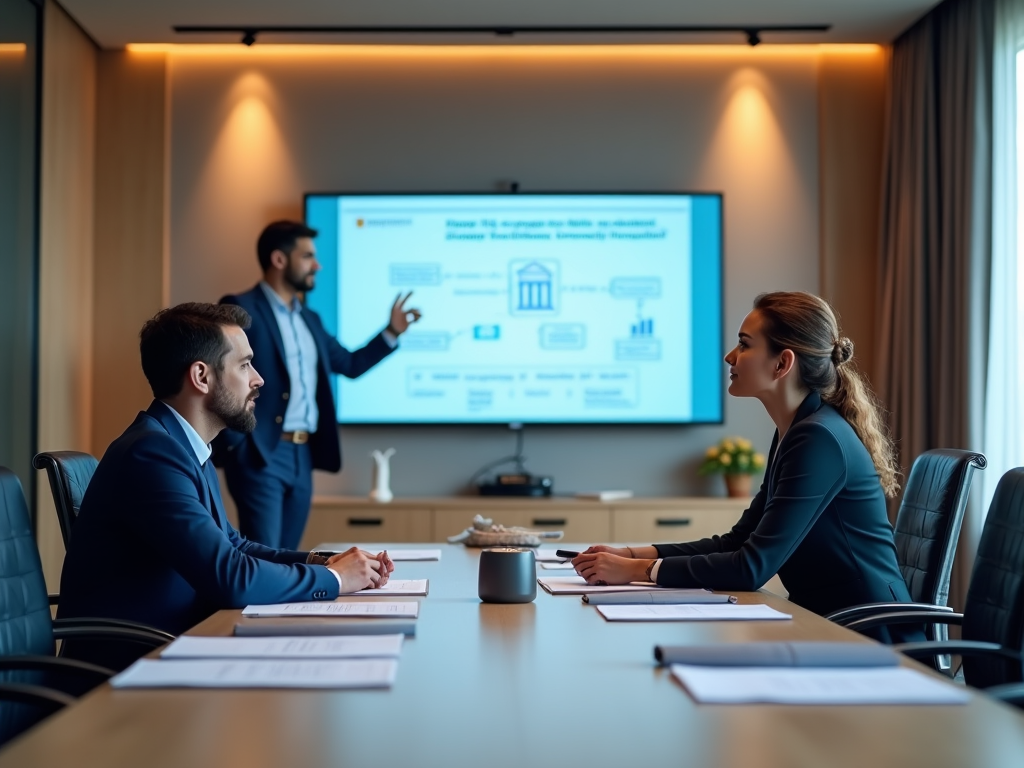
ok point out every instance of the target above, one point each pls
(548, 683)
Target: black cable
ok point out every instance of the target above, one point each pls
(516, 458)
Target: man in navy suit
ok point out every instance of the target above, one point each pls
(152, 543)
(270, 471)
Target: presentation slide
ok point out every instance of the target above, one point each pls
(536, 308)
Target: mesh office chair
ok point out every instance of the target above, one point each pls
(992, 624)
(927, 530)
(69, 473)
(34, 681)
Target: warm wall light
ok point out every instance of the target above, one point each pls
(443, 51)
(12, 48)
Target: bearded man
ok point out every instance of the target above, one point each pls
(151, 542)
(269, 470)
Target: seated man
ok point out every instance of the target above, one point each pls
(151, 542)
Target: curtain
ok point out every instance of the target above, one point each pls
(1004, 443)
(934, 241)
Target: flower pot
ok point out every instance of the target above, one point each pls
(737, 486)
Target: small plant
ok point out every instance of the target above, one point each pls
(732, 456)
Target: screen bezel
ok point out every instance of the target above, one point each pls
(527, 422)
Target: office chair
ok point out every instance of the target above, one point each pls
(927, 530)
(992, 624)
(33, 681)
(69, 473)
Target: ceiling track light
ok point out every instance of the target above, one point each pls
(753, 33)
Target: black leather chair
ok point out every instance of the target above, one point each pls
(33, 682)
(927, 530)
(992, 624)
(69, 473)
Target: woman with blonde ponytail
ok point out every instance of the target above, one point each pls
(819, 519)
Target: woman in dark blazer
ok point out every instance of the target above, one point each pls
(819, 519)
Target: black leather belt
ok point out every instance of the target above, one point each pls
(299, 437)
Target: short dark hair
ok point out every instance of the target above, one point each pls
(176, 337)
(280, 236)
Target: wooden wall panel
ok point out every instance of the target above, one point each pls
(852, 88)
(65, 259)
(131, 235)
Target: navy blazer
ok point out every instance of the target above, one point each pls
(152, 543)
(268, 358)
(819, 520)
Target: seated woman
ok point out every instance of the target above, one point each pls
(819, 519)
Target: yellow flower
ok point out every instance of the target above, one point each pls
(725, 459)
(712, 453)
(745, 445)
(727, 445)
(758, 460)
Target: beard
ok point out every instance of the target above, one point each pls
(233, 412)
(303, 283)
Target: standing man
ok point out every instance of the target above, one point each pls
(269, 471)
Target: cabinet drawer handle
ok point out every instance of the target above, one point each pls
(365, 521)
(668, 521)
(538, 521)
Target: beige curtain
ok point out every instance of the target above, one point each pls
(934, 250)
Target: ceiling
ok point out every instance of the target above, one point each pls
(114, 23)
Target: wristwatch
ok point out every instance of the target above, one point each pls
(319, 557)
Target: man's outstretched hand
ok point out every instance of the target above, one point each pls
(401, 316)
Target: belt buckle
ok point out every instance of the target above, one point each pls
(300, 437)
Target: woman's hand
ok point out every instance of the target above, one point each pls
(600, 568)
(620, 551)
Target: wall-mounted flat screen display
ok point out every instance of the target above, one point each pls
(537, 308)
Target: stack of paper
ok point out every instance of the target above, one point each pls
(660, 597)
(320, 626)
(775, 685)
(258, 673)
(336, 609)
(577, 585)
(378, 646)
(399, 587)
(716, 612)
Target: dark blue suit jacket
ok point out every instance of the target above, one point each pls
(152, 543)
(268, 358)
(819, 520)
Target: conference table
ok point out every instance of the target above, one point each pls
(547, 683)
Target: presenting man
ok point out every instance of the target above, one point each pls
(269, 472)
(152, 543)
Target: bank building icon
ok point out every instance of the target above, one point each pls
(535, 289)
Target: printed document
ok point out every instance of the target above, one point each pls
(337, 608)
(577, 585)
(402, 587)
(248, 673)
(367, 646)
(778, 685)
(398, 555)
(691, 612)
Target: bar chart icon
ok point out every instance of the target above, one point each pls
(642, 329)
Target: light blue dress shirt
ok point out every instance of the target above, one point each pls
(201, 449)
(300, 357)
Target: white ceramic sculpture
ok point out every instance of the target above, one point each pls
(381, 491)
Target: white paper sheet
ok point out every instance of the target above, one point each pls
(399, 587)
(547, 555)
(577, 585)
(402, 555)
(391, 610)
(369, 646)
(556, 566)
(691, 612)
(217, 673)
(396, 554)
(754, 685)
